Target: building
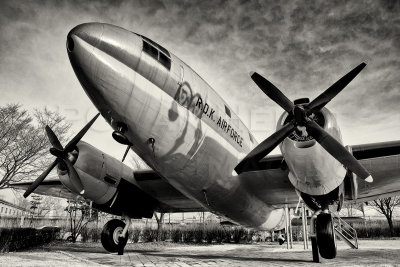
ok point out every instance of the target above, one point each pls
(10, 210)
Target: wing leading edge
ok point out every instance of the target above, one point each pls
(268, 179)
(382, 160)
(169, 199)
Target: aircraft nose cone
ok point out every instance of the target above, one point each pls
(104, 58)
(89, 32)
(81, 42)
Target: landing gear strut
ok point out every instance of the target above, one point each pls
(115, 235)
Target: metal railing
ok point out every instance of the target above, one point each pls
(345, 231)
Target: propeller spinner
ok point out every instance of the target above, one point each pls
(302, 117)
(61, 155)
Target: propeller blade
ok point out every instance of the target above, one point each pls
(70, 146)
(74, 177)
(264, 148)
(40, 179)
(272, 91)
(324, 98)
(53, 138)
(333, 147)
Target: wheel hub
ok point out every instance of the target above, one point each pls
(117, 233)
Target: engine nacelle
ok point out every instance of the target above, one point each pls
(312, 170)
(109, 183)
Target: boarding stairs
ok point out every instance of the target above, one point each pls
(345, 231)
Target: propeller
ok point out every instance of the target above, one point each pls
(303, 119)
(61, 155)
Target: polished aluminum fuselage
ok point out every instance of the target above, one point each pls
(198, 140)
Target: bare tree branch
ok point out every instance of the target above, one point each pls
(23, 143)
(385, 206)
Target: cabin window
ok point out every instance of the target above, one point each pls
(227, 111)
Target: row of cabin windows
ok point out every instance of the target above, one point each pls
(157, 52)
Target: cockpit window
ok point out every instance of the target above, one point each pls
(166, 61)
(157, 52)
(162, 49)
(151, 50)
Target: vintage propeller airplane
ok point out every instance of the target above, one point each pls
(202, 156)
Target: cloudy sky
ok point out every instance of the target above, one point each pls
(300, 46)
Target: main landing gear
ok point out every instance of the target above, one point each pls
(323, 236)
(326, 236)
(115, 235)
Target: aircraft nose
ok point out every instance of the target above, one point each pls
(89, 32)
(81, 43)
(104, 58)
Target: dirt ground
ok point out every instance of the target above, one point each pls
(370, 252)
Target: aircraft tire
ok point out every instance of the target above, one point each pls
(326, 236)
(110, 234)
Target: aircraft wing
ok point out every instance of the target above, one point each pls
(52, 187)
(169, 199)
(382, 160)
(269, 181)
(269, 178)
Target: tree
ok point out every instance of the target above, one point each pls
(160, 221)
(386, 206)
(23, 142)
(351, 207)
(22, 202)
(35, 202)
(80, 213)
(43, 205)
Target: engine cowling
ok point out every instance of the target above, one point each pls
(108, 182)
(312, 170)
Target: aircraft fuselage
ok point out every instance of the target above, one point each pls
(198, 139)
